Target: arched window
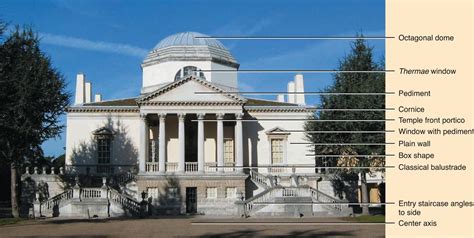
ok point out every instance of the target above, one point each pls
(189, 70)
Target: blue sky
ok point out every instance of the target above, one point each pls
(107, 40)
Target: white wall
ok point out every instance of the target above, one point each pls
(80, 140)
(257, 145)
(80, 144)
(228, 79)
(162, 73)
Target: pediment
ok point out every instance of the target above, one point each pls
(277, 131)
(103, 131)
(184, 91)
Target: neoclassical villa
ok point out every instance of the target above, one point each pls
(189, 144)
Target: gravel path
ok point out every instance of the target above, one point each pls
(192, 227)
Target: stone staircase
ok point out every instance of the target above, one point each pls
(290, 201)
(88, 202)
(126, 184)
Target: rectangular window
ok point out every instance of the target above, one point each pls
(211, 192)
(277, 151)
(231, 192)
(172, 193)
(153, 151)
(103, 150)
(228, 150)
(153, 194)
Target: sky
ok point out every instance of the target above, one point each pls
(107, 40)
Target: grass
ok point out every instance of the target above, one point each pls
(10, 221)
(368, 218)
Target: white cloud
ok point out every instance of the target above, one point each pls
(79, 43)
(245, 87)
(237, 28)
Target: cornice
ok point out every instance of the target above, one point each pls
(102, 109)
(190, 103)
(278, 109)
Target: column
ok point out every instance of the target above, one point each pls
(181, 117)
(200, 118)
(144, 137)
(239, 153)
(220, 142)
(162, 143)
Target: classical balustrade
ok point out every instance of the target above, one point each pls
(44, 170)
(210, 167)
(48, 205)
(124, 178)
(267, 196)
(151, 166)
(328, 201)
(264, 197)
(259, 178)
(295, 192)
(89, 193)
(279, 170)
(171, 166)
(45, 208)
(229, 167)
(191, 167)
(100, 169)
(125, 201)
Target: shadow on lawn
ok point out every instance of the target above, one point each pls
(259, 233)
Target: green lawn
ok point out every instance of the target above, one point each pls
(367, 218)
(9, 221)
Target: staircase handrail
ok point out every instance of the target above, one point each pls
(124, 178)
(259, 178)
(56, 200)
(124, 200)
(329, 201)
(259, 198)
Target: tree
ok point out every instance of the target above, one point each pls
(32, 99)
(359, 59)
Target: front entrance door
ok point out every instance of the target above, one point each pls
(191, 200)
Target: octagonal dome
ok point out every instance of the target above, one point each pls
(186, 47)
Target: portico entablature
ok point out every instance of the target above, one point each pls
(190, 110)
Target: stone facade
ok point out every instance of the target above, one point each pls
(166, 203)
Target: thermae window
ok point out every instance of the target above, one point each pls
(189, 70)
(277, 151)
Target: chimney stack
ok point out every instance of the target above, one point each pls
(80, 78)
(88, 92)
(291, 90)
(299, 89)
(97, 98)
(281, 98)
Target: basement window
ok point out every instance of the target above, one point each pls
(230, 192)
(211, 193)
